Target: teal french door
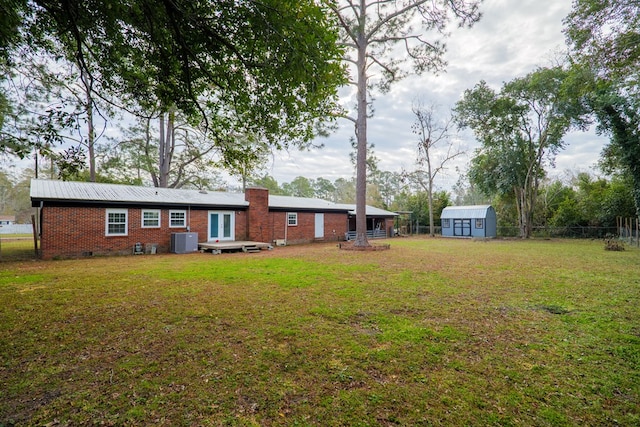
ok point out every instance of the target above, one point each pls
(221, 226)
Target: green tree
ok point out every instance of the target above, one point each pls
(379, 37)
(590, 201)
(268, 67)
(418, 204)
(431, 133)
(389, 185)
(604, 37)
(551, 196)
(323, 188)
(567, 214)
(6, 185)
(466, 192)
(299, 187)
(269, 183)
(521, 129)
(244, 156)
(619, 116)
(617, 201)
(173, 155)
(345, 191)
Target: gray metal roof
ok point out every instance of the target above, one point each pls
(117, 193)
(72, 191)
(465, 212)
(371, 211)
(289, 202)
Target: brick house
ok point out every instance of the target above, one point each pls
(84, 219)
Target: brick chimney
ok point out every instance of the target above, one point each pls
(257, 214)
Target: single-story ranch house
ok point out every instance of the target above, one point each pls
(84, 219)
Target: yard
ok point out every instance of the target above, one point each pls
(430, 332)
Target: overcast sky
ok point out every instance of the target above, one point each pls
(513, 38)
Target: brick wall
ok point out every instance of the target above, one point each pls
(80, 231)
(335, 227)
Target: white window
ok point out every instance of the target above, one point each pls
(292, 218)
(177, 219)
(479, 223)
(117, 222)
(151, 218)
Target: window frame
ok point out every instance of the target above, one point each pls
(446, 223)
(184, 218)
(107, 223)
(292, 219)
(143, 219)
(479, 223)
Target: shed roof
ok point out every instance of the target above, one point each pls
(466, 212)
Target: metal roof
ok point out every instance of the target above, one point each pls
(118, 193)
(371, 211)
(465, 212)
(73, 191)
(289, 202)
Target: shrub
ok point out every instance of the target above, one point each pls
(611, 244)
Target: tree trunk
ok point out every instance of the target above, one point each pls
(87, 81)
(166, 146)
(430, 200)
(525, 204)
(430, 194)
(361, 137)
(91, 138)
(520, 210)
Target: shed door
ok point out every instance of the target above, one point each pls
(462, 227)
(319, 234)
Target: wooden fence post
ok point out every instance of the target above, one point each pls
(35, 235)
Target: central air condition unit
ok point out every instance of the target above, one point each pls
(280, 242)
(184, 243)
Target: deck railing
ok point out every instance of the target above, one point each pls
(371, 234)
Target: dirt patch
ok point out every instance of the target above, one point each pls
(349, 246)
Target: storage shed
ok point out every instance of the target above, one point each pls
(469, 221)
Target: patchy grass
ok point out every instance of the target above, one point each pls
(16, 247)
(430, 332)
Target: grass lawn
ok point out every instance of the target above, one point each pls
(430, 332)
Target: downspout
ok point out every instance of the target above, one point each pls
(40, 218)
(286, 226)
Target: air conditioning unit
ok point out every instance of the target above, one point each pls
(184, 243)
(280, 242)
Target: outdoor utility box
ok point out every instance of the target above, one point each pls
(184, 243)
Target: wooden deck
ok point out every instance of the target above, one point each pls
(239, 245)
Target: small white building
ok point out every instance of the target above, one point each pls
(7, 219)
(469, 221)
